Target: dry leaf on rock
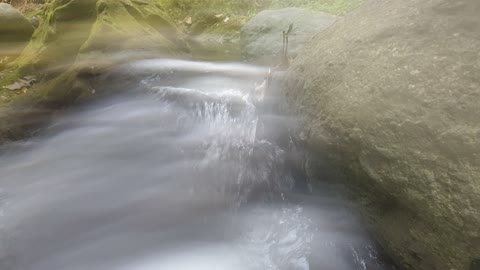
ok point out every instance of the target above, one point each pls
(26, 82)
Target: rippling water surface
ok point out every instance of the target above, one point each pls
(178, 172)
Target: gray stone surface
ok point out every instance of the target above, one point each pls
(392, 94)
(261, 37)
(14, 27)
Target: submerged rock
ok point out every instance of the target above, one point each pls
(261, 37)
(391, 92)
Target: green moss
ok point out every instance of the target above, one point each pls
(79, 36)
(91, 28)
(217, 39)
(64, 28)
(121, 24)
(180, 9)
(211, 37)
(34, 12)
(75, 34)
(336, 7)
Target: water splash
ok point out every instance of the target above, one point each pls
(170, 175)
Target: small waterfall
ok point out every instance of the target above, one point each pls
(174, 173)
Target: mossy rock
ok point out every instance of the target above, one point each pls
(15, 33)
(391, 92)
(261, 37)
(64, 28)
(78, 40)
(126, 29)
(215, 36)
(13, 25)
(70, 27)
(31, 111)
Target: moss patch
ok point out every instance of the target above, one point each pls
(76, 41)
(64, 28)
(213, 27)
(336, 7)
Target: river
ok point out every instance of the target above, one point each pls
(183, 169)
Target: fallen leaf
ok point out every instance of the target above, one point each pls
(23, 82)
(30, 80)
(14, 87)
(188, 20)
(26, 82)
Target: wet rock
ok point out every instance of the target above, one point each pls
(23, 83)
(13, 25)
(35, 21)
(99, 30)
(214, 36)
(15, 31)
(475, 264)
(261, 37)
(77, 42)
(134, 29)
(391, 92)
(59, 36)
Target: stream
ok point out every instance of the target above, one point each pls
(184, 169)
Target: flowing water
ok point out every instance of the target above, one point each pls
(183, 169)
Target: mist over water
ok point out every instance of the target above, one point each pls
(177, 173)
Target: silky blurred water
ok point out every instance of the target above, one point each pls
(177, 173)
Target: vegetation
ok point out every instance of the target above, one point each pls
(337, 7)
(219, 20)
(180, 9)
(222, 20)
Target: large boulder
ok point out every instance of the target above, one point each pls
(261, 37)
(15, 31)
(392, 94)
